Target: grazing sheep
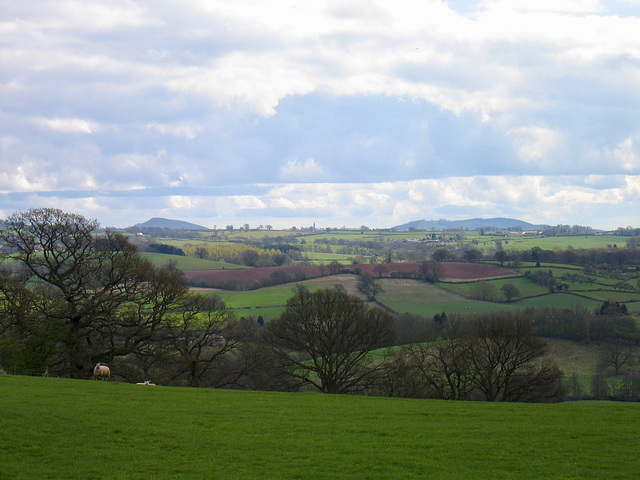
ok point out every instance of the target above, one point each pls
(146, 382)
(101, 371)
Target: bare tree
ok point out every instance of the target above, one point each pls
(431, 271)
(472, 255)
(617, 353)
(629, 388)
(600, 388)
(510, 291)
(446, 367)
(441, 255)
(89, 297)
(368, 286)
(204, 333)
(380, 270)
(506, 357)
(399, 378)
(79, 278)
(483, 291)
(496, 359)
(501, 256)
(327, 335)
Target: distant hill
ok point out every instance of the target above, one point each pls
(471, 224)
(165, 223)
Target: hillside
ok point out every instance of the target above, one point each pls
(470, 224)
(73, 429)
(158, 222)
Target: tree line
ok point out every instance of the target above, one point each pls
(70, 297)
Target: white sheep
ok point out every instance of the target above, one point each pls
(101, 371)
(146, 382)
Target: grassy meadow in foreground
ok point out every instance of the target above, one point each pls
(73, 429)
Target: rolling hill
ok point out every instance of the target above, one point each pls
(470, 224)
(166, 223)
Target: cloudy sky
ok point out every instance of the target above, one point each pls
(342, 113)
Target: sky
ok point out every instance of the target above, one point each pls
(334, 113)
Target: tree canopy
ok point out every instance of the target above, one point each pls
(335, 332)
(71, 297)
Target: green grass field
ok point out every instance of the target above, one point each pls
(527, 287)
(420, 298)
(414, 296)
(270, 301)
(561, 242)
(189, 263)
(72, 429)
(485, 243)
(574, 357)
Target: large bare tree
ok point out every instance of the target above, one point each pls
(83, 296)
(445, 367)
(507, 360)
(497, 358)
(327, 336)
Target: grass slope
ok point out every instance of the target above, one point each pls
(70, 429)
(402, 295)
(574, 357)
(270, 302)
(189, 263)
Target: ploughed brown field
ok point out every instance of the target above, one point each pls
(259, 277)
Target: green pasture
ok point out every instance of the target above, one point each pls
(577, 358)
(421, 298)
(269, 302)
(189, 263)
(520, 242)
(411, 296)
(416, 297)
(588, 294)
(513, 241)
(556, 300)
(527, 287)
(603, 295)
(74, 429)
(365, 236)
(318, 257)
(182, 242)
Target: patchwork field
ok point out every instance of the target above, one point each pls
(190, 263)
(414, 296)
(73, 429)
(270, 302)
(254, 277)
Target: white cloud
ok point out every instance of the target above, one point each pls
(245, 202)
(296, 170)
(282, 202)
(68, 125)
(484, 108)
(537, 145)
(627, 155)
(183, 202)
(550, 200)
(188, 131)
(21, 178)
(524, 6)
(256, 82)
(407, 209)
